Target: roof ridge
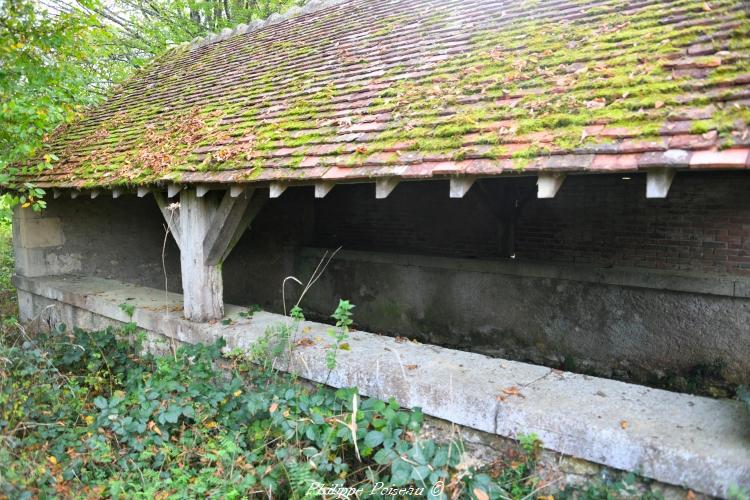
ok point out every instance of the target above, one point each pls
(309, 7)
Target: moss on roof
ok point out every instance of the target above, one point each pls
(379, 86)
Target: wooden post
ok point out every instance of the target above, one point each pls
(459, 186)
(202, 285)
(205, 229)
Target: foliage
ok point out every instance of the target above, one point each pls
(87, 413)
(343, 317)
(608, 488)
(57, 61)
(7, 291)
(147, 27)
(49, 64)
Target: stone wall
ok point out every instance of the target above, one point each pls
(119, 238)
(648, 327)
(602, 281)
(602, 220)
(624, 426)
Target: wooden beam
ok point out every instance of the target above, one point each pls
(460, 186)
(323, 188)
(228, 220)
(56, 193)
(256, 203)
(275, 189)
(658, 182)
(235, 191)
(201, 190)
(171, 217)
(116, 192)
(94, 194)
(172, 190)
(384, 186)
(549, 184)
(206, 230)
(202, 286)
(142, 191)
(74, 194)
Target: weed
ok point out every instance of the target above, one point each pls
(343, 317)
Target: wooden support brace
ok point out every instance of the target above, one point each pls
(206, 229)
(94, 194)
(549, 184)
(235, 191)
(228, 220)
(201, 190)
(460, 186)
(323, 188)
(56, 193)
(171, 215)
(142, 191)
(383, 187)
(275, 189)
(74, 194)
(172, 190)
(658, 182)
(116, 192)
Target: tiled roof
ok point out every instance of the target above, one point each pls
(366, 88)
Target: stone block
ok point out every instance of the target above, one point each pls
(41, 232)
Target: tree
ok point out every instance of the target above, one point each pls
(59, 56)
(48, 73)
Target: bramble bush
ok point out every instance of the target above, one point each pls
(89, 413)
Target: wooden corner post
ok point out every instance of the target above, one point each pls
(206, 228)
(202, 284)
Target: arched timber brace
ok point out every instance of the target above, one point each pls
(206, 228)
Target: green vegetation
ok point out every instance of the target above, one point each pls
(88, 413)
(60, 57)
(91, 414)
(7, 291)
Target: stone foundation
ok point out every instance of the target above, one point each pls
(692, 442)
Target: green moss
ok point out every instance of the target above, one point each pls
(597, 63)
(701, 126)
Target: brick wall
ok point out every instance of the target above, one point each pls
(604, 220)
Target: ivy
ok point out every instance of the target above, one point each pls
(90, 413)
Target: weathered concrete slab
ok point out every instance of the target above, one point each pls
(695, 442)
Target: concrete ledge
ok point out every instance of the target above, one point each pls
(728, 286)
(698, 443)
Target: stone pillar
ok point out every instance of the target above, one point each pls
(37, 243)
